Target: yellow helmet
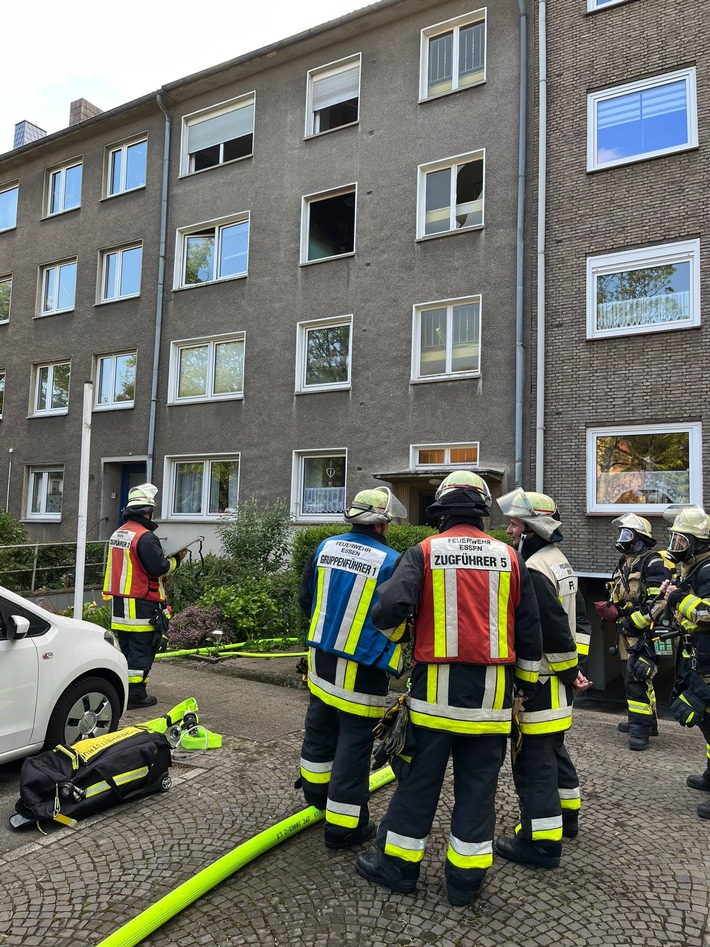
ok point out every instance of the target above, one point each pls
(141, 498)
(462, 479)
(690, 532)
(632, 528)
(537, 510)
(377, 505)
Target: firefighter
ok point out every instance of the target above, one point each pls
(135, 572)
(635, 583)
(545, 776)
(477, 633)
(349, 665)
(688, 598)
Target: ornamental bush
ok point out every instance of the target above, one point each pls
(193, 625)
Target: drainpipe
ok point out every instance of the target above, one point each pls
(541, 203)
(519, 348)
(161, 290)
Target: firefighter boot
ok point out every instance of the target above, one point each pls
(701, 782)
(361, 834)
(570, 823)
(137, 697)
(518, 849)
(704, 810)
(379, 870)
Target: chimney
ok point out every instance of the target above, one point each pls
(25, 132)
(81, 110)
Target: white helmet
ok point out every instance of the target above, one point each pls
(631, 529)
(537, 510)
(690, 532)
(377, 505)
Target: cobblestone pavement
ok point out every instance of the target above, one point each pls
(637, 874)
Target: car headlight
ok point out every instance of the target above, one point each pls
(110, 638)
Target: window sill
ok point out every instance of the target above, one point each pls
(132, 190)
(324, 390)
(61, 213)
(56, 312)
(183, 401)
(311, 135)
(636, 159)
(118, 299)
(41, 519)
(459, 376)
(49, 414)
(103, 408)
(424, 238)
(327, 259)
(442, 95)
(213, 282)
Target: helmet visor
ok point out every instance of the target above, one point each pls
(516, 504)
(395, 509)
(625, 535)
(678, 543)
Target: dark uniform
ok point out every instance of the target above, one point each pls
(477, 631)
(635, 583)
(349, 664)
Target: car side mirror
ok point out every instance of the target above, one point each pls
(18, 626)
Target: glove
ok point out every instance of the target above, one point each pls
(607, 611)
(163, 646)
(628, 628)
(688, 710)
(643, 669)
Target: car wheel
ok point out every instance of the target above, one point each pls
(88, 708)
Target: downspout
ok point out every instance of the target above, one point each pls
(519, 347)
(541, 221)
(161, 291)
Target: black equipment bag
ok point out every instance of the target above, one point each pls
(69, 782)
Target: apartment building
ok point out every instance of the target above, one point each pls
(627, 411)
(286, 276)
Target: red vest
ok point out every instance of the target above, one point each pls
(470, 591)
(125, 575)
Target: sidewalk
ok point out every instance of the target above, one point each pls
(637, 874)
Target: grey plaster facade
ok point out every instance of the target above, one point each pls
(376, 418)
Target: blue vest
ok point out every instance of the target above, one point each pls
(347, 570)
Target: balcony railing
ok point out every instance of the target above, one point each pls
(646, 311)
(32, 567)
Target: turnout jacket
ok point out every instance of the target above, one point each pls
(136, 564)
(477, 626)
(349, 658)
(636, 580)
(549, 710)
(691, 607)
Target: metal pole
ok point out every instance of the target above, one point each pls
(83, 501)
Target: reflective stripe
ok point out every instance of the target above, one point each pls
(316, 772)
(569, 793)
(527, 670)
(549, 829)
(432, 680)
(501, 613)
(353, 702)
(583, 642)
(469, 854)
(315, 632)
(570, 800)
(120, 779)
(340, 813)
(561, 660)
(438, 588)
(355, 614)
(404, 847)
(639, 707)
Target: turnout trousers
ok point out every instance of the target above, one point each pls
(335, 766)
(547, 785)
(640, 695)
(402, 835)
(140, 644)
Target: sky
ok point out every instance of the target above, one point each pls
(110, 54)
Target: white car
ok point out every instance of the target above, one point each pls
(61, 680)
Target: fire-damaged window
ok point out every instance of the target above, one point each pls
(450, 195)
(328, 224)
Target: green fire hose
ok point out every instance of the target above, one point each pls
(177, 900)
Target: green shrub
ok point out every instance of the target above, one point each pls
(189, 583)
(14, 562)
(98, 614)
(248, 610)
(257, 538)
(401, 536)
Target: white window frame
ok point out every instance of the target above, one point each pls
(324, 73)
(448, 447)
(7, 279)
(593, 5)
(62, 171)
(5, 190)
(248, 100)
(694, 431)
(112, 405)
(44, 472)
(44, 275)
(687, 251)
(302, 330)
(642, 85)
(212, 341)
(118, 251)
(297, 471)
(38, 412)
(424, 169)
(170, 476)
(431, 32)
(123, 148)
(417, 310)
(217, 225)
(306, 202)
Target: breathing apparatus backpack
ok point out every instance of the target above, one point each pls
(69, 782)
